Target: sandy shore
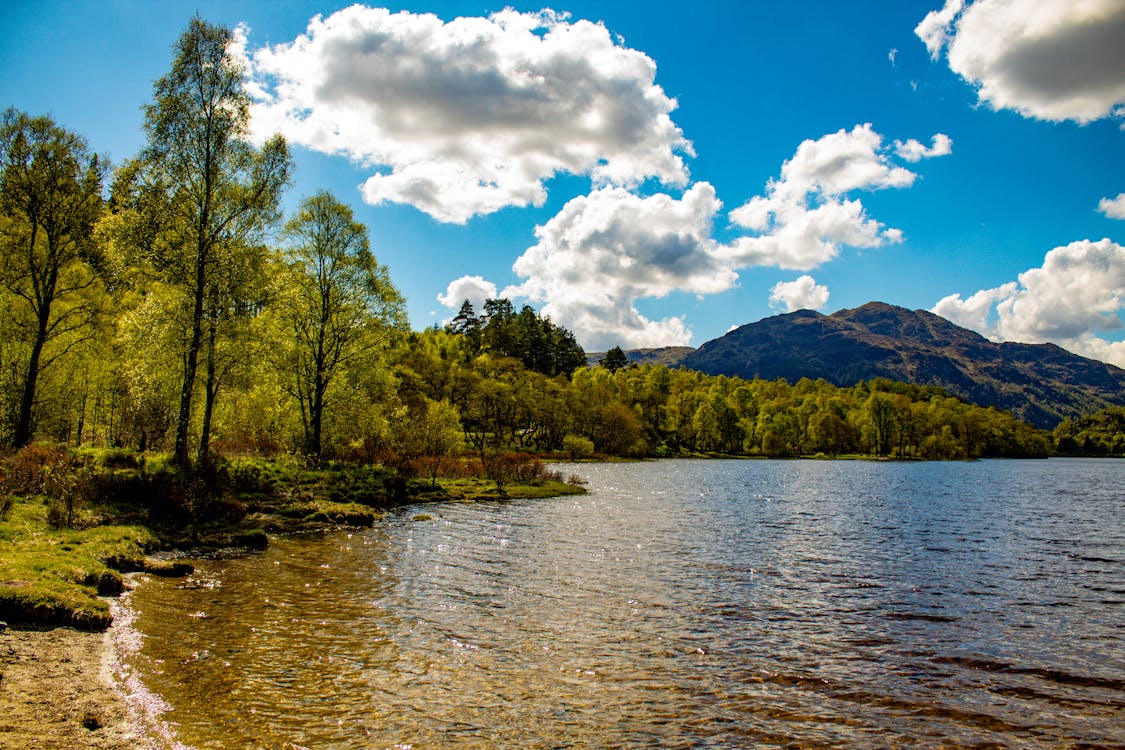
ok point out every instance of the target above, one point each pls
(56, 691)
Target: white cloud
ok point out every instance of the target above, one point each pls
(1114, 208)
(1077, 292)
(1048, 60)
(974, 312)
(803, 293)
(804, 218)
(475, 289)
(605, 250)
(913, 150)
(464, 118)
(936, 29)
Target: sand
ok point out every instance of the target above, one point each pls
(56, 691)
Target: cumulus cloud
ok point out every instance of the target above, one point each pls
(605, 250)
(803, 293)
(1046, 60)
(804, 217)
(475, 289)
(463, 118)
(1078, 292)
(913, 150)
(1114, 208)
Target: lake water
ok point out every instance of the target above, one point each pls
(706, 604)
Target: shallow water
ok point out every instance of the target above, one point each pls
(679, 604)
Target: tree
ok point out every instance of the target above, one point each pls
(340, 306)
(614, 359)
(434, 434)
(50, 201)
(205, 191)
(467, 324)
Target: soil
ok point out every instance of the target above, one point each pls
(56, 691)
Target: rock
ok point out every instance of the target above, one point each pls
(168, 568)
(91, 721)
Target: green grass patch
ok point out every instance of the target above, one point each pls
(55, 576)
(472, 489)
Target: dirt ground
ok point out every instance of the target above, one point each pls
(56, 691)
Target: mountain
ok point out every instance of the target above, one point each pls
(670, 356)
(1039, 383)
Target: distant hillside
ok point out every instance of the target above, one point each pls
(669, 356)
(1040, 383)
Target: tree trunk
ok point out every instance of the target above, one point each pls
(210, 394)
(23, 430)
(316, 413)
(181, 455)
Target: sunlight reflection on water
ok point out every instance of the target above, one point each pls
(679, 604)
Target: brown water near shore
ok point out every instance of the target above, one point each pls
(679, 604)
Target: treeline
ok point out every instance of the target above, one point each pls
(168, 305)
(652, 410)
(1099, 434)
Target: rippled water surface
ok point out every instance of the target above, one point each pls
(679, 604)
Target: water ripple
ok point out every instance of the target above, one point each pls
(754, 603)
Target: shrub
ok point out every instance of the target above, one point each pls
(68, 488)
(23, 472)
(577, 447)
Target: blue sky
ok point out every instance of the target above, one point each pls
(653, 173)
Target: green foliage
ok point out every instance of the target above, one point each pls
(577, 447)
(198, 199)
(338, 304)
(614, 359)
(50, 201)
(1099, 434)
(535, 341)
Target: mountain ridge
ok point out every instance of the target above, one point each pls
(1039, 383)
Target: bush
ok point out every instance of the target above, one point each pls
(504, 468)
(577, 447)
(68, 488)
(23, 473)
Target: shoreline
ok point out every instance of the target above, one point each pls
(57, 690)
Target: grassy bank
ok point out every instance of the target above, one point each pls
(72, 523)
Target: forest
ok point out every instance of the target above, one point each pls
(167, 305)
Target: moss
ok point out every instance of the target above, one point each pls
(53, 603)
(168, 568)
(250, 539)
(55, 576)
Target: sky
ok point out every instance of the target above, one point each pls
(653, 173)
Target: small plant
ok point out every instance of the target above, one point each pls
(23, 473)
(68, 487)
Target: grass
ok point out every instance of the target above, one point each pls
(136, 505)
(56, 576)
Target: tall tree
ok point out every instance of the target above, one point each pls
(50, 200)
(614, 359)
(341, 306)
(212, 191)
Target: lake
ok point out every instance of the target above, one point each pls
(681, 603)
